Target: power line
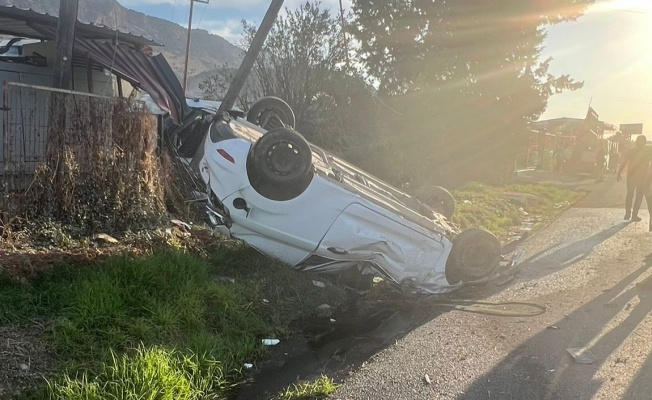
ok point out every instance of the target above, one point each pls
(185, 68)
(201, 17)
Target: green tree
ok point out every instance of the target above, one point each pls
(467, 76)
(302, 51)
(303, 61)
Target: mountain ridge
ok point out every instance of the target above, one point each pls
(207, 51)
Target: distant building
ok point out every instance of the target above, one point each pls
(578, 138)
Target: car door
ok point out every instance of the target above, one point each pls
(399, 249)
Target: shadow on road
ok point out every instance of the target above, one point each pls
(641, 387)
(336, 346)
(541, 368)
(360, 332)
(546, 262)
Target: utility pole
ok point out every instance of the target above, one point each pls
(185, 69)
(252, 53)
(65, 43)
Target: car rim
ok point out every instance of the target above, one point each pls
(283, 158)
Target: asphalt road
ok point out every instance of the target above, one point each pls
(584, 267)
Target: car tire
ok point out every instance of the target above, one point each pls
(269, 111)
(475, 254)
(438, 199)
(279, 165)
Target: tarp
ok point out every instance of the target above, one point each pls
(151, 74)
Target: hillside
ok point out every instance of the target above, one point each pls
(207, 50)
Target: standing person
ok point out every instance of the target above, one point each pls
(613, 159)
(637, 161)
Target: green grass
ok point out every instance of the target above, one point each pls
(159, 327)
(149, 373)
(482, 205)
(162, 327)
(318, 389)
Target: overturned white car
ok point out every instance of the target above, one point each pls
(301, 205)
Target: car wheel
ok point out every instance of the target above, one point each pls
(439, 200)
(475, 254)
(279, 165)
(271, 112)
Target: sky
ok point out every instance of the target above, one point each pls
(609, 49)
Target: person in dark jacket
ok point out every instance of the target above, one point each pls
(636, 161)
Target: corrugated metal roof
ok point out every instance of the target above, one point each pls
(152, 74)
(29, 23)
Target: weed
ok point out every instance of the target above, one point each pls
(317, 389)
(485, 206)
(154, 372)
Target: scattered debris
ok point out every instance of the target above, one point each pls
(527, 226)
(248, 366)
(266, 302)
(521, 198)
(582, 355)
(271, 342)
(319, 284)
(223, 279)
(325, 310)
(181, 225)
(426, 378)
(24, 367)
(467, 202)
(104, 237)
(554, 327)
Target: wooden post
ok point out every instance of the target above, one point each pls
(185, 68)
(249, 58)
(65, 44)
(89, 74)
(120, 93)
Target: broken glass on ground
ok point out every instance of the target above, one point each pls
(582, 355)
